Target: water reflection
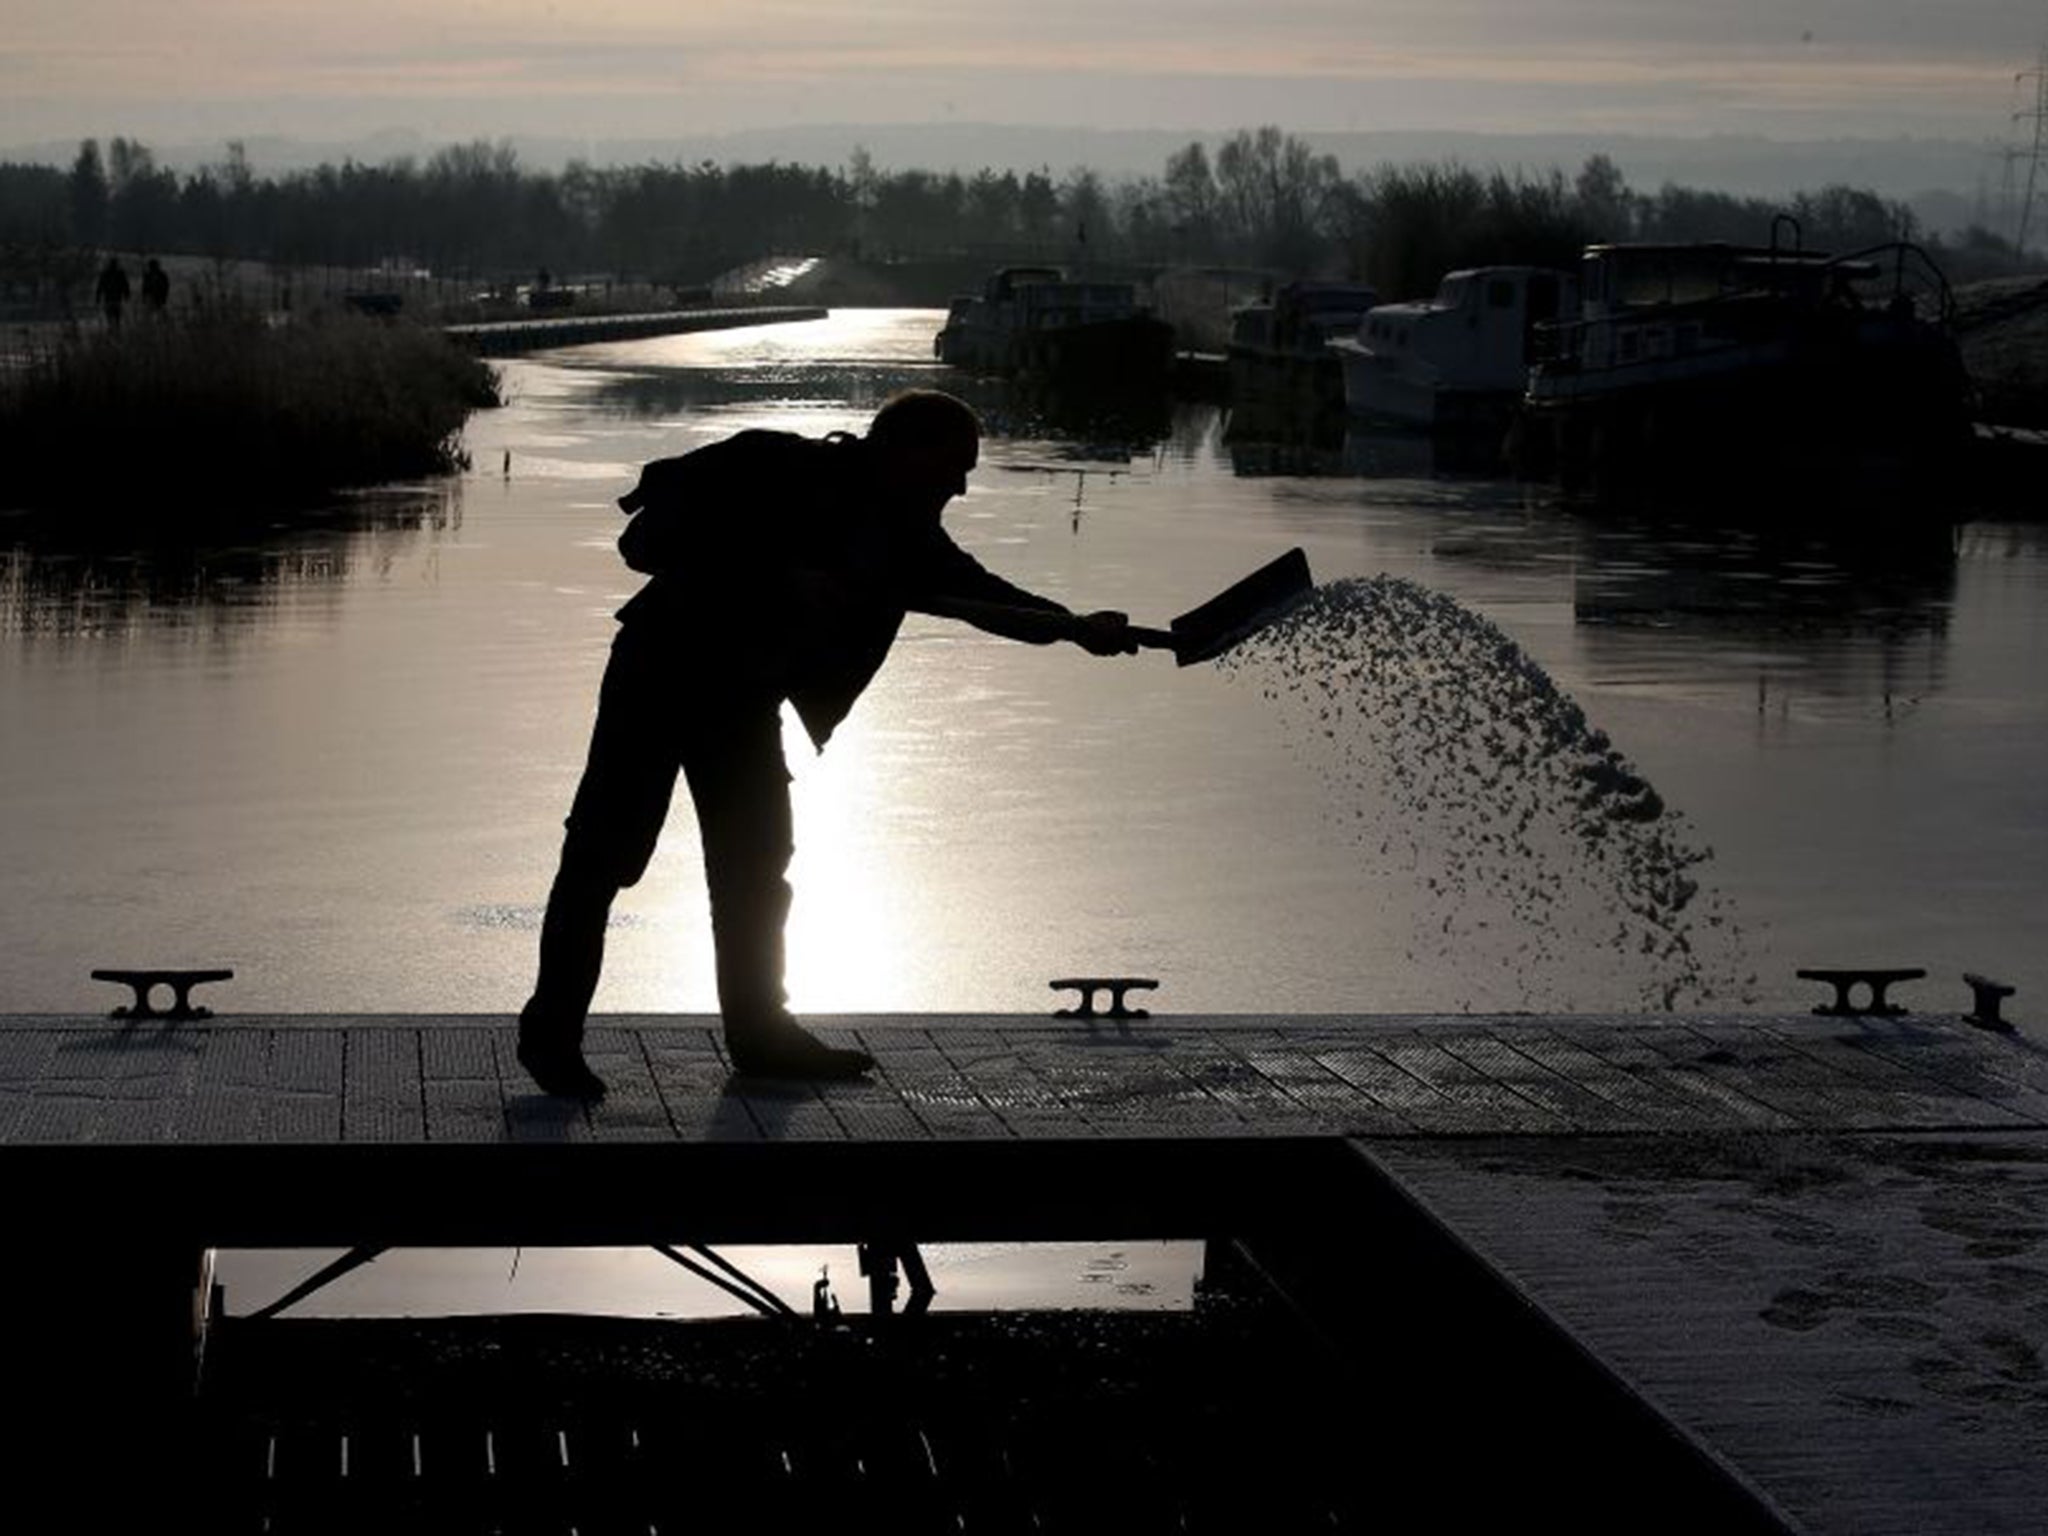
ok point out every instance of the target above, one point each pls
(389, 663)
(1264, 442)
(1771, 581)
(1132, 423)
(59, 579)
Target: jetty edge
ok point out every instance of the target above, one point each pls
(1769, 1247)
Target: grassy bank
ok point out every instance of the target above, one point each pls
(220, 410)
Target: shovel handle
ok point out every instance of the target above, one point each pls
(1152, 639)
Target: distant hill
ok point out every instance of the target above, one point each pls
(1945, 179)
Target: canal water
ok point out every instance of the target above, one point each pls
(335, 756)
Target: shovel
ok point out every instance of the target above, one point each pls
(1204, 633)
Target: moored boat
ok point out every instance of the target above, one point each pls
(1456, 363)
(1280, 350)
(1037, 324)
(1774, 371)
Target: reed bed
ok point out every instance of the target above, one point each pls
(181, 416)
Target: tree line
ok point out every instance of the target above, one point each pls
(1261, 198)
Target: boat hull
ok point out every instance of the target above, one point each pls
(1792, 419)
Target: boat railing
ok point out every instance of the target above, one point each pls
(1912, 272)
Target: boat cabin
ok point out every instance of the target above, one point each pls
(1476, 330)
(1302, 318)
(1645, 302)
(1470, 343)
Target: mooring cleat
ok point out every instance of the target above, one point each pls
(1987, 995)
(1116, 986)
(1844, 1006)
(144, 982)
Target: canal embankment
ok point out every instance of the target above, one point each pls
(512, 338)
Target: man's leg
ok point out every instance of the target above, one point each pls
(740, 784)
(616, 819)
(571, 959)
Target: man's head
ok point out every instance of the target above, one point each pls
(925, 443)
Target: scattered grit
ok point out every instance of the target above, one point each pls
(1549, 874)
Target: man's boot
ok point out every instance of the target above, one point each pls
(553, 1056)
(775, 1045)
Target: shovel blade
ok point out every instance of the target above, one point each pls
(1204, 633)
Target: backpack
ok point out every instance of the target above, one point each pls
(708, 503)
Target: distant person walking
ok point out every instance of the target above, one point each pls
(156, 287)
(782, 568)
(111, 292)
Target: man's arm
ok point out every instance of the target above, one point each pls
(952, 584)
(1100, 634)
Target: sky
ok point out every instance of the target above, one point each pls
(182, 70)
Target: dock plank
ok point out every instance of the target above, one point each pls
(1910, 1097)
(1337, 1104)
(2008, 1072)
(633, 1109)
(305, 1099)
(1682, 1062)
(868, 1108)
(464, 1101)
(1424, 1109)
(25, 1059)
(1775, 1070)
(382, 1094)
(695, 1086)
(231, 1079)
(783, 1110)
(1219, 1065)
(931, 1087)
(1496, 1058)
(1125, 1084)
(1638, 1082)
(1415, 1100)
(1027, 1103)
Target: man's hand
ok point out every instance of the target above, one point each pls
(1107, 633)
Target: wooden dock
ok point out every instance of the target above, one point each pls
(510, 338)
(1813, 1246)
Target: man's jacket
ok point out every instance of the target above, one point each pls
(730, 531)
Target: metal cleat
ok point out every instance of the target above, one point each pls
(1986, 995)
(181, 984)
(1844, 980)
(1088, 986)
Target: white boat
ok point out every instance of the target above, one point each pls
(1458, 361)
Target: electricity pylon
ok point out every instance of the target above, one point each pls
(2038, 116)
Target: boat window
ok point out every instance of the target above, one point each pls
(1500, 293)
(1670, 280)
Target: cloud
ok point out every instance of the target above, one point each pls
(734, 62)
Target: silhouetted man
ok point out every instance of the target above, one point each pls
(156, 286)
(782, 567)
(111, 291)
